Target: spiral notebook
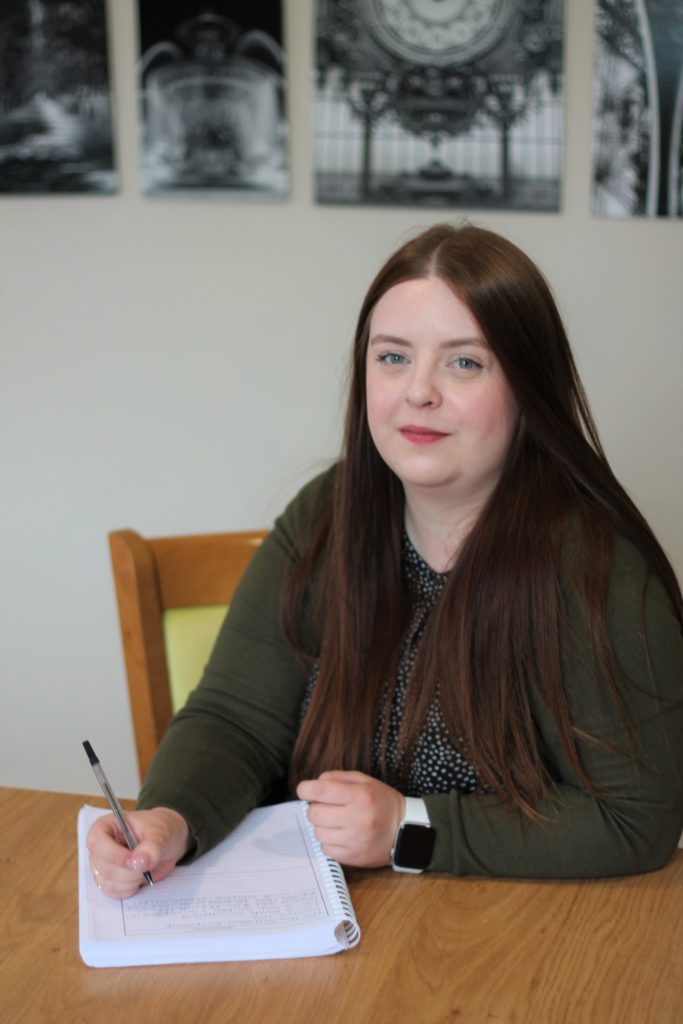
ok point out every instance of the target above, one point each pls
(266, 892)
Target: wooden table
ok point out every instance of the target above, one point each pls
(434, 948)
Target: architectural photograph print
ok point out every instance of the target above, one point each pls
(445, 103)
(212, 99)
(55, 103)
(638, 109)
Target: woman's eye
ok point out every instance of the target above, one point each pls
(465, 363)
(391, 358)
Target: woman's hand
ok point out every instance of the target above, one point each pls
(354, 816)
(163, 839)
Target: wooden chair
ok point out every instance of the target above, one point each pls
(172, 595)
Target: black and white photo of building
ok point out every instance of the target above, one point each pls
(55, 108)
(638, 109)
(439, 102)
(212, 82)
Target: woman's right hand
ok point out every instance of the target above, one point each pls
(163, 839)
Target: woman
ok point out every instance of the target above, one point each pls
(462, 644)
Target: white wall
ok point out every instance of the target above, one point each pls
(178, 366)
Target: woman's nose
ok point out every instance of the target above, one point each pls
(423, 389)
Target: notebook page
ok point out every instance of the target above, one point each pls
(263, 878)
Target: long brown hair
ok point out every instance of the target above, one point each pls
(496, 628)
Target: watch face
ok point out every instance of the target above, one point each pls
(437, 31)
(414, 846)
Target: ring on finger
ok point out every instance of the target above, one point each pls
(96, 875)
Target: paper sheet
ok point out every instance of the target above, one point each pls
(262, 892)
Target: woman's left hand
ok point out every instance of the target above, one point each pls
(354, 816)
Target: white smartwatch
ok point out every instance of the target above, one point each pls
(415, 838)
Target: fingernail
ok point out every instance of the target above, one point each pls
(137, 864)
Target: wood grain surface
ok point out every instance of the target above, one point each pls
(434, 949)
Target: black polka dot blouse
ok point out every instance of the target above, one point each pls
(436, 765)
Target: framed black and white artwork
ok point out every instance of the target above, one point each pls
(212, 89)
(638, 109)
(453, 103)
(55, 103)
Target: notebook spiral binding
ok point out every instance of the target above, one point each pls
(337, 890)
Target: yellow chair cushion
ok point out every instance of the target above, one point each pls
(189, 635)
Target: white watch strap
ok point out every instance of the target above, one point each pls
(416, 811)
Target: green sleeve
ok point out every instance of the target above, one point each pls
(635, 823)
(230, 747)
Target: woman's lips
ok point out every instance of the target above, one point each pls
(422, 435)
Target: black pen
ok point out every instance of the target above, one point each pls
(113, 802)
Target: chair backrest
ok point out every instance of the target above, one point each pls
(172, 594)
